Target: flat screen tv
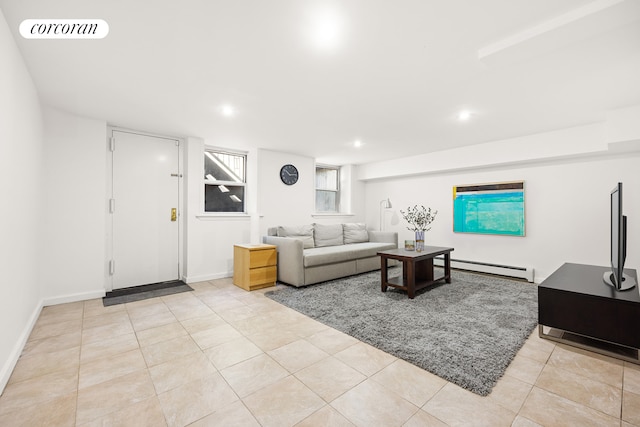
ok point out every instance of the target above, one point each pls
(616, 277)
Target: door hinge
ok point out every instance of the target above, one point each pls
(112, 144)
(112, 267)
(112, 205)
(177, 143)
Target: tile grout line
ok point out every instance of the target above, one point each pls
(219, 370)
(75, 418)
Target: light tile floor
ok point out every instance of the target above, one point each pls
(221, 356)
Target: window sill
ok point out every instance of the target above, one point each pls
(207, 216)
(324, 214)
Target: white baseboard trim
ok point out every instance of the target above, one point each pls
(83, 296)
(205, 277)
(11, 362)
(526, 273)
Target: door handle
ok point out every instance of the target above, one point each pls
(174, 214)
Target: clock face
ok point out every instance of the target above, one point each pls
(289, 174)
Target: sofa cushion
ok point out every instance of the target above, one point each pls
(355, 232)
(302, 232)
(327, 235)
(334, 254)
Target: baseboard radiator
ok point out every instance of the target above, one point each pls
(484, 267)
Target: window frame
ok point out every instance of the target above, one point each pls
(337, 190)
(215, 182)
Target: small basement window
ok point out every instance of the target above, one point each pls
(224, 181)
(327, 189)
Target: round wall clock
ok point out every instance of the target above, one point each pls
(289, 174)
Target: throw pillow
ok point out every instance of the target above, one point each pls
(302, 232)
(355, 232)
(328, 235)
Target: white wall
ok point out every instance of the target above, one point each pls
(22, 189)
(352, 195)
(278, 203)
(74, 213)
(209, 239)
(566, 202)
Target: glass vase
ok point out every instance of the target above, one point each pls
(419, 241)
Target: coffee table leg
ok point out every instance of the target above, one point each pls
(411, 279)
(447, 267)
(383, 274)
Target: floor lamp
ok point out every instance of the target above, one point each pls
(384, 204)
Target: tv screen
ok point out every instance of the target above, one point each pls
(616, 276)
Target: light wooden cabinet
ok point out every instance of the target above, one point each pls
(254, 266)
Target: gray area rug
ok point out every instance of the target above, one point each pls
(466, 332)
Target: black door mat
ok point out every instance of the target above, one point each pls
(139, 293)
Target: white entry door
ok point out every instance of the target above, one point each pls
(144, 209)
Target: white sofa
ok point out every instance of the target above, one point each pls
(315, 253)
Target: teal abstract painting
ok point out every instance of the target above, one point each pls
(489, 209)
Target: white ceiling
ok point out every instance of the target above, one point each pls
(400, 72)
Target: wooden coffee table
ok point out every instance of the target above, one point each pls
(417, 268)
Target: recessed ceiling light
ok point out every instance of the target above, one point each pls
(227, 111)
(357, 143)
(326, 28)
(464, 115)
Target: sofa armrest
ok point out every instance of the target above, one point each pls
(290, 259)
(383, 237)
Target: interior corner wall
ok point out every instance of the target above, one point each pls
(567, 211)
(73, 239)
(21, 161)
(281, 204)
(352, 195)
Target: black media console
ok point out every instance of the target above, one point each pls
(579, 309)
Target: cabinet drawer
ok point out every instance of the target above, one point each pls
(262, 275)
(262, 258)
